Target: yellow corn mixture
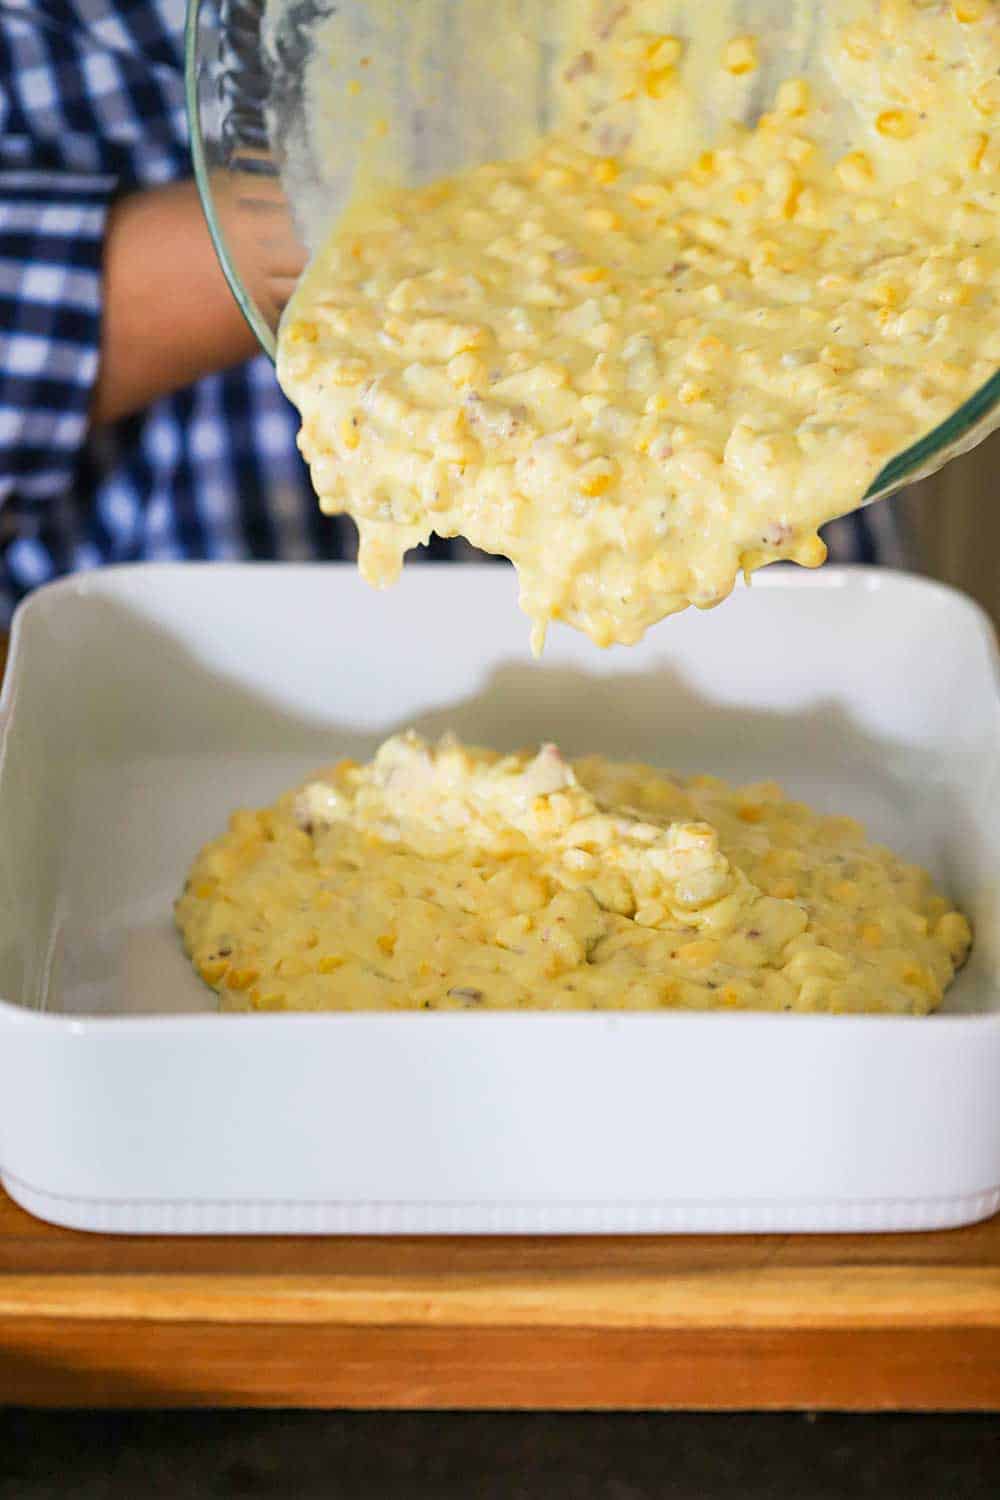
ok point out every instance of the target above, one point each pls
(451, 878)
(636, 380)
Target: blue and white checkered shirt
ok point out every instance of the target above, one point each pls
(91, 106)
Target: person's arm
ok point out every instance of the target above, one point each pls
(82, 123)
(168, 314)
(110, 293)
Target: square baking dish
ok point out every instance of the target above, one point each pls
(142, 704)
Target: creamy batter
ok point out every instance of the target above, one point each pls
(636, 380)
(451, 878)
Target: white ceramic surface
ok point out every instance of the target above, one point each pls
(142, 704)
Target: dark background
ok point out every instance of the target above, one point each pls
(485, 1456)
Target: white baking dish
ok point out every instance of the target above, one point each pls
(142, 704)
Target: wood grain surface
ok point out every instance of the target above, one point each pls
(854, 1322)
(711, 1322)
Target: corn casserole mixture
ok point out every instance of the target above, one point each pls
(636, 368)
(636, 378)
(454, 878)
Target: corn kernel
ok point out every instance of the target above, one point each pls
(790, 203)
(689, 391)
(302, 333)
(966, 12)
(956, 296)
(603, 218)
(811, 553)
(750, 812)
(953, 930)
(329, 963)
(218, 863)
(976, 152)
(292, 967)
(705, 167)
(658, 81)
(799, 150)
(204, 890)
(855, 171)
(606, 169)
(840, 361)
(896, 124)
(467, 370)
(350, 432)
(740, 55)
(386, 943)
(670, 994)
(859, 42)
(269, 1000)
(346, 372)
(784, 890)
(872, 935)
(700, 953)
(243, 978)
(896, 16)
(707, 353)
(746, 193)
(764, 257)
(649, 195)
(986, 99)
(792, 97)
(808, 206)
(846, 891)
(596, 484)
(213, 969)
(590, 275)
(664, 51)
(245, 823)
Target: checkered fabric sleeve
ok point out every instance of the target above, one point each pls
(85, 111)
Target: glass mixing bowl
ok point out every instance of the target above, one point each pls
(275, 158)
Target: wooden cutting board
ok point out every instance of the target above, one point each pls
(859, 1322)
